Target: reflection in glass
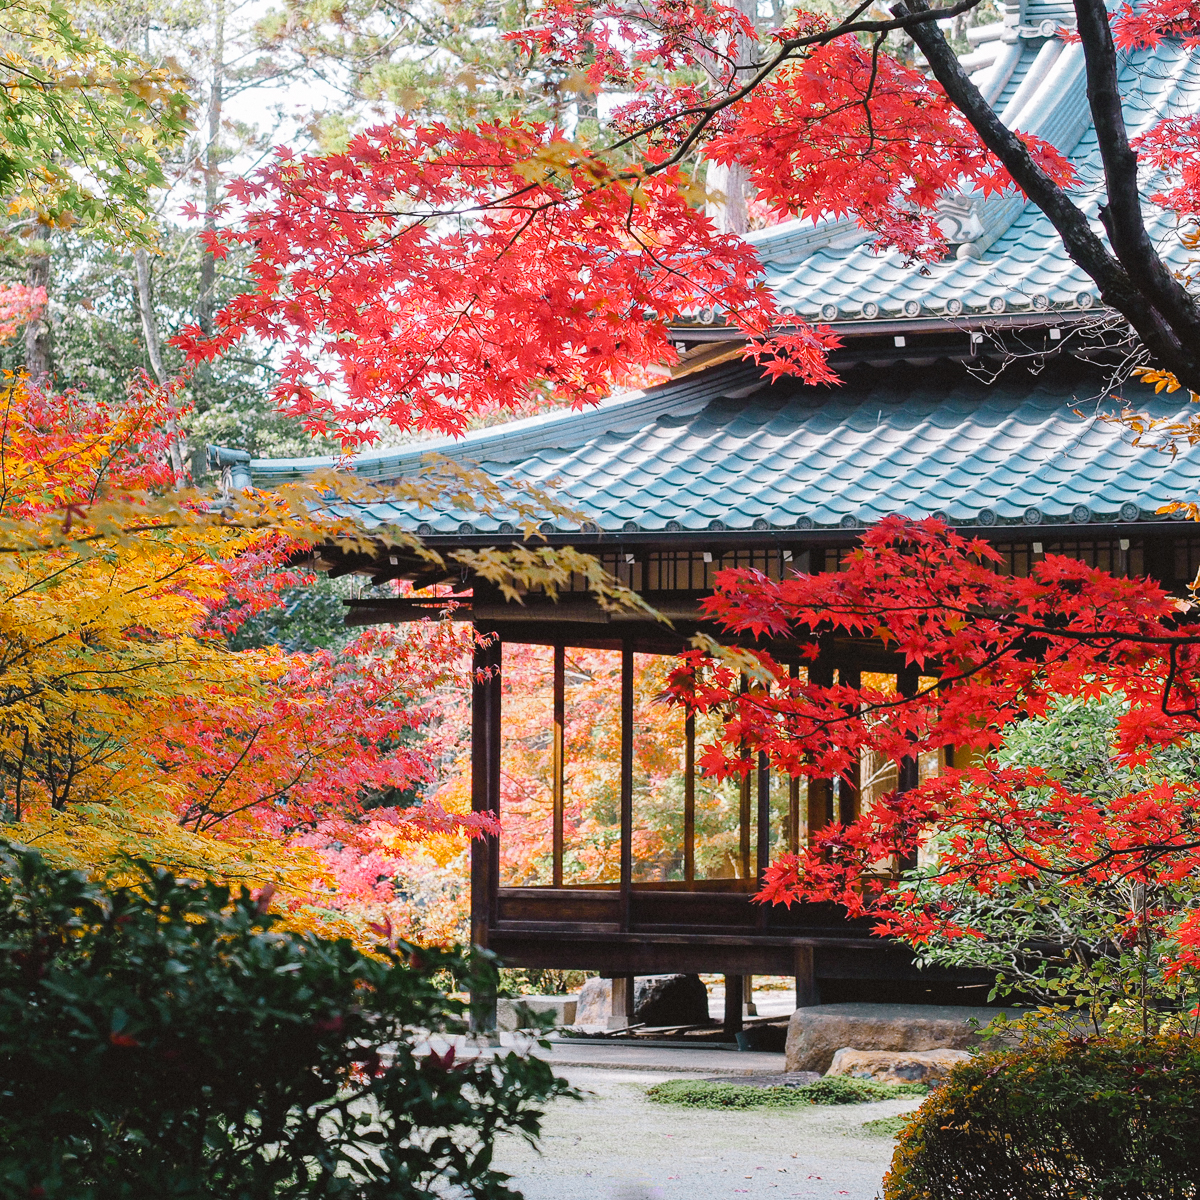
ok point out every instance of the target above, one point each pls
(659, 754)
(592, 767)
(718, 813)
(527, 766)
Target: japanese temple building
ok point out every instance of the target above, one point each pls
(972, 389)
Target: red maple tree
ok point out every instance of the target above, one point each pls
(976, 650)
(434, 272)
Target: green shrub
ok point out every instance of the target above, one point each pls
(836, 1089)
(1072, 1119)
(171, 1042)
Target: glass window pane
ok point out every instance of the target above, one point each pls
(718, 812)
(526, 766)
(659, 751)
(787, 823)
(592, 767)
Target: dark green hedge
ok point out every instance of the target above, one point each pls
(1074, 1119)
(172, 1042)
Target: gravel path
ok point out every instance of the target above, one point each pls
(617, 1145)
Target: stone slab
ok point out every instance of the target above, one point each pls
(658, 1000)
(510, 1011)
(817, 1033)
(897, 1066)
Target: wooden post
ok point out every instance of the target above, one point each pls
(733, 1004)
(820, 791)
(485, 797)
(626, 786)
(748, 1005)
(689, 801)
(620, 1015)
(850, 781)
(764, 816)
(908, 770)
(807, 992)
(558, 765)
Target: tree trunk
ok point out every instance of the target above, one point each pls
(39, 352)
(212, 169)
(154, 353)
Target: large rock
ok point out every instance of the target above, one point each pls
(816, 1034)
(897, 1066)
(513, 1014)
(657, 1000)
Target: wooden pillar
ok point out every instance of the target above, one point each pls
(620, 1014)
(558, 765)
(626, 786)
(820, 791)
(485, 797)
(850, 781)
(908, 771)
(763, 847)
(689, 801)
(807, 992)
(748, 1005)
(733, 1004)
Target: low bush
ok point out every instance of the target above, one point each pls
(1071, 1119)
(835, 1089)
(170, 1041)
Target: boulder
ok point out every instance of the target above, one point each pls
(657, 1000)
(670, 1000)
(896, 1066)
(817, 1033)
(511, 1014)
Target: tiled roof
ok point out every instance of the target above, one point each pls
(724, 450)
(719, 448)
(1016, 264)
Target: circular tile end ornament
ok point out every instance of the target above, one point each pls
(467, 527)
(717, 526)
(507, 527)
(849, 522)
(1129, 511)
(870, 310)
(1085, 300)
(1041, 303)
(547, 527)
(425, 529)
(986, 516)
(941, 515)
(589, 527)
(804, 523)
(954, 306)
(912, 308)
(1032, 516)
(706, 316)
(829, 312)
(996, 304)
(1081, 514)
(631, 527)
(761, 523)
(674, 527)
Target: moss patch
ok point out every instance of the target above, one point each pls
(885, 1126)
(836, 1089)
